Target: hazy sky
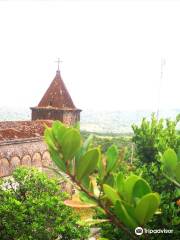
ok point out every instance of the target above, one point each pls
(111, 52)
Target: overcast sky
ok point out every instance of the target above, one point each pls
(111, 52)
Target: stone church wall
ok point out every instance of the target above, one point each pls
(27, 152)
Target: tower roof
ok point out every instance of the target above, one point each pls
(57, 95)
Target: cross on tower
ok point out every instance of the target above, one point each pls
(58, 62)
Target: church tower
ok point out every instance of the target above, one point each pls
(56, 104)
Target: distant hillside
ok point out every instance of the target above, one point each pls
(117, 121)
(96, 121)
(12, 114)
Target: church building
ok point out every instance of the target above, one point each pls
(56, 104)
(21, 142)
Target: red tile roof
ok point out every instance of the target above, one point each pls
(11, 130)
(57, 95)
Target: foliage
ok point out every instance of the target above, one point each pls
(106, 140)
(127, 201)
(155, 136)
(123, 142)
(32, 208)
(168, 214)
(137, 203)
(109, 230)
(171, 171)
(170, 193)
(171, 166)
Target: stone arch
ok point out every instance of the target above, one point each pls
(14, 162)
(37, 159)
(46, 158)
(4, 167)
(26, 160)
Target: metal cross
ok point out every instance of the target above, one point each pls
(58, 62)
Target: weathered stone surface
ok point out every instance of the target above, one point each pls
(4, 167)
(15, 130)
(29, 152)
(46, 159)
(14, 162)
(36, 160)
(26, 160)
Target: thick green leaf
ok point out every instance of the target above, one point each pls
(141, 188)
(146, 207)
(48, 137)
(57, 160)
(111, 157)
(130, 210)
(83, 149)
(70, 143)
(101, 169)
(128, 187)
(58, 130)
(123, 215)
(120, 183)
(169, 160)
(111, 193)
(87, 183)
(87, 163)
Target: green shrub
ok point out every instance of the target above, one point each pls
(128, 201)
(167, 186)
(155, 136)
(171, 166)
(166, 181)
(106, 140)
(31, 207)
(111, 232)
